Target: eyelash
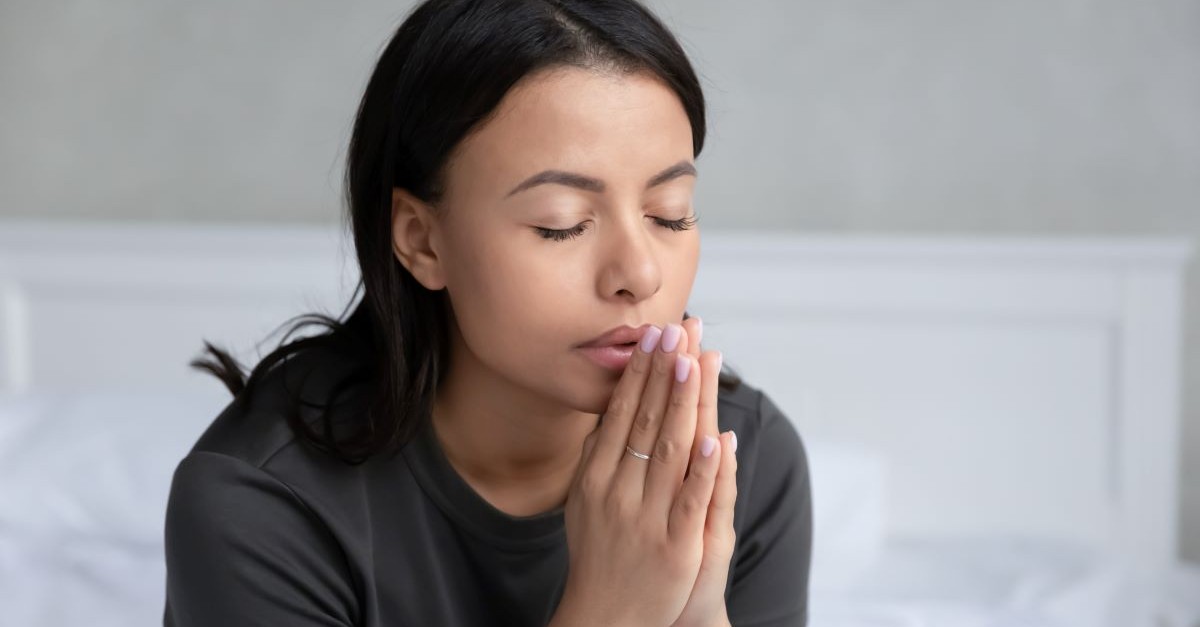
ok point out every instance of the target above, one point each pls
(559, 235)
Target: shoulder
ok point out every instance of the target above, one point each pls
(251, 508)
(238, 541)
(251, 462)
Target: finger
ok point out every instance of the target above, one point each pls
(676, 440)
(695, 330)
(691, 505)
(623, 405)
(718, 525)
(631, 471)
(706, 409)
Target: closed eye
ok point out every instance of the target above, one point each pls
(559, 235)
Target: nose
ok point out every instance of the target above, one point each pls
(631, 268)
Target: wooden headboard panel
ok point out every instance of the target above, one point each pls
(1015, 385)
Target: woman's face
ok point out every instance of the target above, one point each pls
(523, 301)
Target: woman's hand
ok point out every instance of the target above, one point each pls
(635, 527)
(706, 605)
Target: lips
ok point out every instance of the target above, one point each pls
(624, 335)
(613, 357)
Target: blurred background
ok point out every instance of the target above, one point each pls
(914, 118)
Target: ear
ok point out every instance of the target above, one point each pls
(413, 238)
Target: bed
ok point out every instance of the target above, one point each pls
(992, 423)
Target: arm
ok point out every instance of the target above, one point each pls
(243, 549)
(769, 578)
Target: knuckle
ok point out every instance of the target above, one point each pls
(666, 449)
(591, 484)
(690, 505)
(723, 543)
(620, 405)
(619, 504)
(680, 401)
(646, 420)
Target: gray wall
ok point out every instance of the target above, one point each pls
(1027, 116)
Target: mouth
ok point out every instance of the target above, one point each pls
(613, 357)
(621, 345)
(623, 336)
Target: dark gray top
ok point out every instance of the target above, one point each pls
(262, 529)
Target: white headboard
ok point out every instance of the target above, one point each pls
(1015, 385)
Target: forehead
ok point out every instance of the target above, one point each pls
(619, 127)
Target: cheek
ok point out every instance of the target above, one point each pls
(521, 315)
(689, 259)
(512, 309)
(679, 274)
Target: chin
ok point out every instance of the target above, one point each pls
(598, 403)
(590, 397)
(573, 382)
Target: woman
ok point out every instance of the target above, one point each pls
(472, 445)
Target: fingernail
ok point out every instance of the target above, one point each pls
(720, 360)
(670, 337)
(699, 329)
(733, 441)
(682, 368)
(707, 446)
(650, 339)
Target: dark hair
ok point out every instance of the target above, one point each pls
(442, 74)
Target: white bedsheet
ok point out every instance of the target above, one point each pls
(1007, 582)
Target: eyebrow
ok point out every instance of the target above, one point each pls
(589, 184)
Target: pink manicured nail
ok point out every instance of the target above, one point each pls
(682, 368)
(699, 329)
(707, 446)
(650, 339)
(733, 441)
(670, 337)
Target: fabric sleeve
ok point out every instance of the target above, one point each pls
(243, 549)
(769, 578)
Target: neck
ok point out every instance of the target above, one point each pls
(505, 440)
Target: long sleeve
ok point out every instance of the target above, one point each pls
(769, 579)
(243, 549)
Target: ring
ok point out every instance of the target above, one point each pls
(635, 453)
